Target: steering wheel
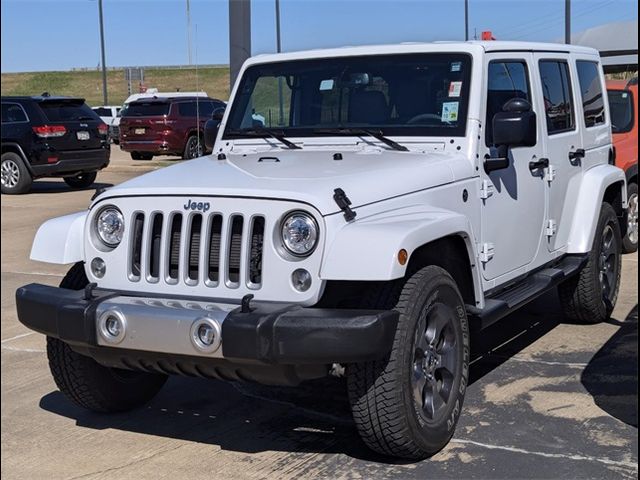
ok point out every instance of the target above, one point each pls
(427, 118)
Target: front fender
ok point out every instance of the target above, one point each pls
(60, 240)
(368, 249)
(594, 184)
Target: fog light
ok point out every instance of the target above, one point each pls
(98, 267)
(301, 280)
(206, 335)
(112, 325)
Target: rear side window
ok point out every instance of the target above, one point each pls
(507, 80)
(558, 98)
(187, 109)
(67, 111)
(591, 90)
(621, 108)
(146, 109)
(13, 113)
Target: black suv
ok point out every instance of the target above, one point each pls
(49, 136)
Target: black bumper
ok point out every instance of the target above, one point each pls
(71, 162)
(275, 334)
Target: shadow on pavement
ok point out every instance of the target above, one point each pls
(611, 376)
(53, 186)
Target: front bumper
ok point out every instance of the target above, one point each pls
(159, 330)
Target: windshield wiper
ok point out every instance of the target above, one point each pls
(266, 132)
(363, 131)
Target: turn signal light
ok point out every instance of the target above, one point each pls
(49, 131)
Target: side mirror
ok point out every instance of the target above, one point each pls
(211, 128)
(515, 126)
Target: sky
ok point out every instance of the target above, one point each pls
(45, 35)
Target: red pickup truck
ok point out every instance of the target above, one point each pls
(623, 103)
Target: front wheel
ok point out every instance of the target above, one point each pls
(82, 180)
(590, 296)
(408, 404)
(630, 241)
(89, 384)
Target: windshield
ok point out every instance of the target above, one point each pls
(621, 106)
(146, 109)
(408, 95)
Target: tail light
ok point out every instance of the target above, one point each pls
(103, 129)
(49, 131)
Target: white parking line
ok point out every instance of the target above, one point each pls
(22, 335)
(606, 461)
(18, 349)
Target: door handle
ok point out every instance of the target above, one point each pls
(575, 157)
(538, 164)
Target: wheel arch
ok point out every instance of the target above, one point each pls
(60, 240)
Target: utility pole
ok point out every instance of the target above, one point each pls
(239, 36)
(466, 20)
(189, 31)
(567, 21)
(279, 49)
(104, 66)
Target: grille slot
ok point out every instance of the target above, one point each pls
(155, 245)
(234, 259)
(174, 246)
(215, 238)
(255, 252)
(194, 247)
(136, 246)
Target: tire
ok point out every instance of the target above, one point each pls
(91, 385)
(586, 298)
(83, 180)
(390, 417)
(16, 179)
(193, 148)
(630, 240)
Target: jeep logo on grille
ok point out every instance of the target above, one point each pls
(201, 206)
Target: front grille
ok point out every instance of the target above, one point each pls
(195, 248)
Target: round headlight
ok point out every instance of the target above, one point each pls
(110, 226)
(299, 233)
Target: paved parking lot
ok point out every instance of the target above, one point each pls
(547, 399)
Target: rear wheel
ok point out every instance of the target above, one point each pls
(81, 181)
(590, 296)
(89, 384)
(630, 241)
(194, 148)
(408, 404)
(15, 177)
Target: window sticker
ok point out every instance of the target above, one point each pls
(455, 88)
(456, 66)
(450, 111)
(326, 84)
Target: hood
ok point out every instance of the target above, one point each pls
(303, 175)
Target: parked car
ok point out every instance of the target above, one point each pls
(45, 136)
(367, 211)
(166, 126)
(623, 103)
(108, 114)
(150, 93)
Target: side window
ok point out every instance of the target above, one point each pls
(621, 110)
(205, 108)
(507, 80)
(591, 90)
(12, 113)
(103, 112)
(558, 99)
(187, 109)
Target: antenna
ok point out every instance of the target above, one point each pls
(189, 31)
(197, 96)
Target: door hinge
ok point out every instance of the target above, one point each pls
(486, 252)
(486, 189)
(550, 173)
(552, 228)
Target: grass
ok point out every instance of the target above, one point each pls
(88, 84)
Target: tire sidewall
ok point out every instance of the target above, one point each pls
(432, 436)
(628, 246)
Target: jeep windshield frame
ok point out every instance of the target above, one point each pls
(404, 94)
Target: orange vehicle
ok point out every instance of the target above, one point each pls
(623, 104)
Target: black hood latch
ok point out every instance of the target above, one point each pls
(344, 203)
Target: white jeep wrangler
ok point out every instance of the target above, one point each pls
(365, 211)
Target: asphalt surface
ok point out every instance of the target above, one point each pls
(547, 399)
